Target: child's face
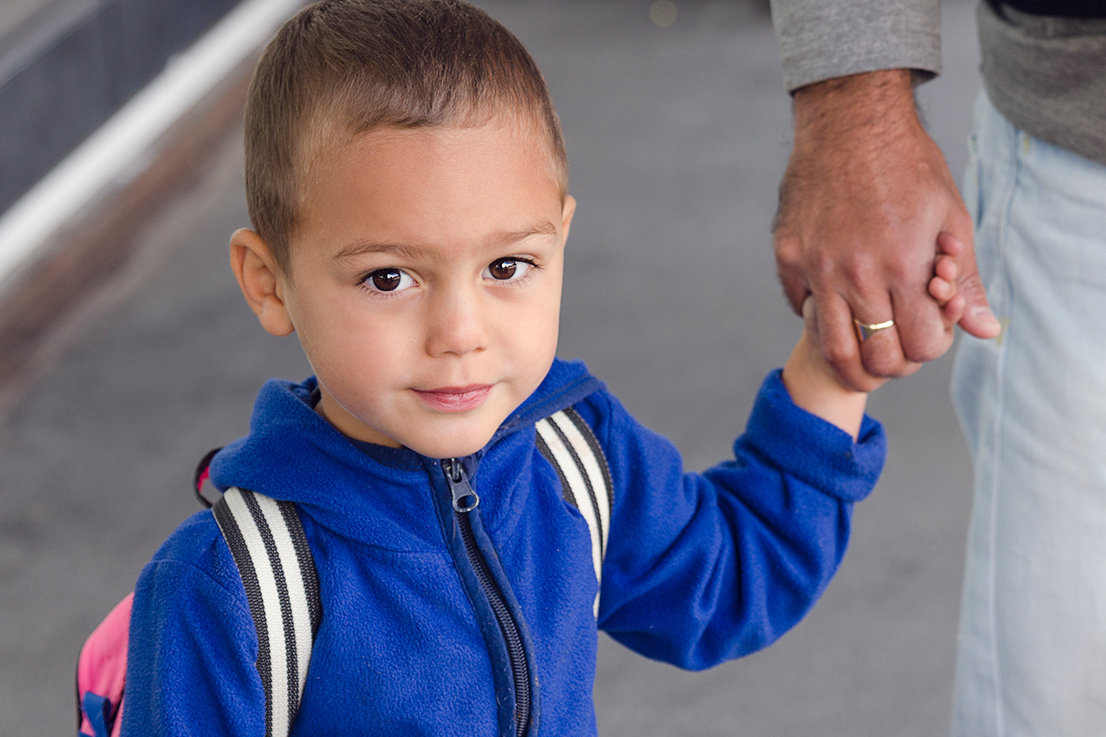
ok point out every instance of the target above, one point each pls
(425, 283)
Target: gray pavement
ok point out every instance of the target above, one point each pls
(15, 12)
(677, 138)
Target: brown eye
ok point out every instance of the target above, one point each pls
(503, 269)
(388, 280)
(508, 269)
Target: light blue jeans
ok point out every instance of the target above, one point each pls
(1032, 403)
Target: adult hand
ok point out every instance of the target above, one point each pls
(864, 204)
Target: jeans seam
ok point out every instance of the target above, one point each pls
(1001, 235)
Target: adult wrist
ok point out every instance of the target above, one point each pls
(878, 101)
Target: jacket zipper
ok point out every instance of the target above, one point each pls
(465, 500)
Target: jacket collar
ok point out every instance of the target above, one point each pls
(360, 490)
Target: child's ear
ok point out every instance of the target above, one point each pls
(261, 281)
(567, 211)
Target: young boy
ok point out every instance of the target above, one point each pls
(407, 185)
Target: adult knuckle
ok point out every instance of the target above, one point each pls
(901, 271)
(921, 329)
(926, 353)
(883, 362)
(838, 353)
(972, 288)
(826, 265)
(929, 346)
(858, 267)
(788, 250)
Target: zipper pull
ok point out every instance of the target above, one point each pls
(464, 498)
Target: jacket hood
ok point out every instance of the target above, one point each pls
(357, 489)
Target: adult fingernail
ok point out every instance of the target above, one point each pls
(986, 318)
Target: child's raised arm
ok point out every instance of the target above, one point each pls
(812, 385)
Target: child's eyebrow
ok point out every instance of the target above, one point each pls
(545, 228)
(362, 247)
(404, 250)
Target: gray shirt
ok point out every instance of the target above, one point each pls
(1046, 75)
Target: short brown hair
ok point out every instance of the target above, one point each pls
(343, 67)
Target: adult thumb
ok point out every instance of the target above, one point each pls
(978, 320)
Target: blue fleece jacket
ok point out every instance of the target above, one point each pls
(700, 568)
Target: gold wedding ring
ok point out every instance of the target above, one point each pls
(865, 329)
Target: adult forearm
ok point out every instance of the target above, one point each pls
(845, 128)
(880, 102)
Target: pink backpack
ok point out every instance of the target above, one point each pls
(270, 549)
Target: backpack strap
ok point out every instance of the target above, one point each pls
(570, 446)
(270, 549)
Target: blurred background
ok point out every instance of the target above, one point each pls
(126, 351)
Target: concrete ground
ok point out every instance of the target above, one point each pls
(14, 12)
(677, 138)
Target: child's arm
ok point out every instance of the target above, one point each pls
(705, 567)
(193, 643)
(812, 384)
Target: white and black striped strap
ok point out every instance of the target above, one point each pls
(270, 549)
(571, 447)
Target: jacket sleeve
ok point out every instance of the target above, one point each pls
(823, 39)
(702, 568)
(193, 645)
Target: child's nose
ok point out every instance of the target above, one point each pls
(456, 323)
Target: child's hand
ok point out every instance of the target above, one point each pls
(811, 381)
(812, 384)
(942, 287)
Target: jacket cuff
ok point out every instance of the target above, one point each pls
(822, 40)
(812, 450)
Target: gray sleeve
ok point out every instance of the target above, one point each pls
(822, 39)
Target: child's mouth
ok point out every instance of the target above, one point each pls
(455, 398)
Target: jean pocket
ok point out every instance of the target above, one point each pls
(971, 188)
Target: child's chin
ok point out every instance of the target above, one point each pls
(451, 447)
